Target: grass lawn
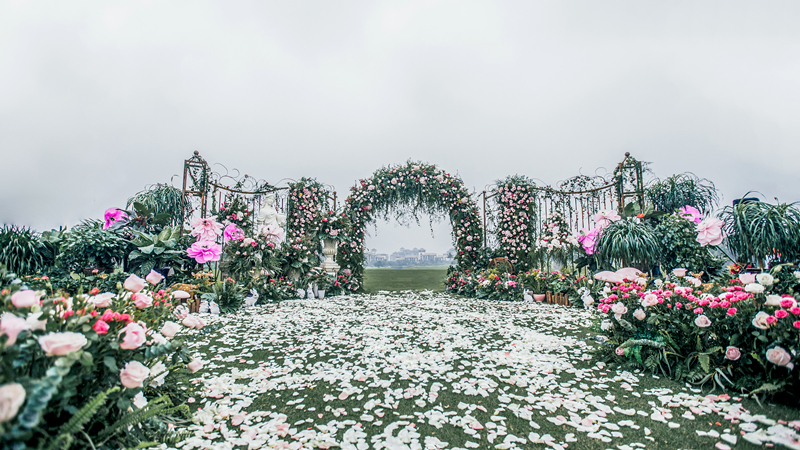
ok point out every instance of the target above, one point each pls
(424, 371)
(411, 278)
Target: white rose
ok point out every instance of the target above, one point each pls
(60, 344)
(101, 300)
(658, 282)
(765, 279)
(797, 275)
(760, 320)
(702, 321)
(754, 288)
(12, 396)
(773, 300)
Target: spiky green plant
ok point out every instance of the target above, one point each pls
(20, 249)
(162, 199)
(628, 243)
(683, 189)
(758, 230)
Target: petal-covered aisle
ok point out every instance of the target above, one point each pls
(429, 371)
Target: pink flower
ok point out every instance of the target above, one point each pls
(100, 327)
(795, 310)
(639, 314)
(588, 239)
(691, 213)
(204, 251)
(733, 353)
(170, 329)
(709, 232)
(154, 277)
(193, 321)
(134, 283)
(206, 229)
(25, 299)
(274, 233)
(698, 310)
(731, 311)
(649, 300)
(135, 336)
(788, 303)
(114, 215)
(12, 326)
(133, 374)
(761, 320)
(680, 273)
(619, 309)
(12, 396)
(620, 351)
(780, 314)
(232, 232)
(101, 300)
(796, 324)
(195, 365)
(142, 300)
(747, 278)
(181, 294)
(779, 356)
(702, 321)
(60, 344)
(604, 218)
(181, 311)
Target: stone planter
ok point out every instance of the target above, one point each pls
(329, 247)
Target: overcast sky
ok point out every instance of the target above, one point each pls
(99, 99)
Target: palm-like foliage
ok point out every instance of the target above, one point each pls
(683, 189)
(628, 243)
(162, 199)
(20, 250)
(757, 230)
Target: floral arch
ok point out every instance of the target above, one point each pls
(410, 189)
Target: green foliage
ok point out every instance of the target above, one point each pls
(20, 250)
(227, 294)
(161, 203)
(155, 250)
(757, 230)
(628, 243)
(680, 190)
(89, 246)
(677, 239)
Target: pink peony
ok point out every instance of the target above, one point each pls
(60, 344)
(170, 329)
(588, 239)
(733, 353)
(206, 229)
(12, 396)
(135, 336)
(12, 326)
(779, 356)
(142, 300)
(709, 232)
(114, 215)
(100, 327)
(134, 283)
(204, 251)
(25, 299)
(195, 365)
(604, 218)
(691, 213)
(154, 277)
(702, 321)
(193, 321)
(133, 374)
(232, 232)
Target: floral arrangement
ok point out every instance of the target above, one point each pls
(345, 282)
(410, 188)
(332, 226)
(514, 235)
(498, 286)
(556, 235)
(205, 249)
(235, 211)
(248, 257)
(76, 369)
(740, 333)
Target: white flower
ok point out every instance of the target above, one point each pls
(760, 320)
(606, 325)
(658, 282)
(639, 314)
(765, 279)
(754, 288)
(588, 300)
(139, 401)
(159, 371)
(773, 300)
(797, 275)
(649, 300)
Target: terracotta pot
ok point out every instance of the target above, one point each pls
(539, 297)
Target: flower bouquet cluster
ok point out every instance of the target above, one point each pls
(235, 211)
(77, 368)
(498, 286)
(514, 202)
(345, 282)
(742, 333)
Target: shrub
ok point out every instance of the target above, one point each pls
(89, 246)
(757, 231)
(681, 190)
(677, 239)
(20, 250)
(628, 243)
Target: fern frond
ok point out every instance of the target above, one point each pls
(83, 415)
(152, 409)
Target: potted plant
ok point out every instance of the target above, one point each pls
(537, 282)
(324, 282)
(155, 251)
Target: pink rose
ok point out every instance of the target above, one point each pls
(142, 300)
(25, 299)
(170, 329)
(193, 321)
(781, 313)
(619, 309)
(620, 351)
(12, 396)
(733, 353)
(100, 327)
(702, 321)
(195, 365)
(709, 232)
(731, 311)
(101, 300)
(133, 374)
(680, 273)
(12, 326)
(135, 336)
(154, 277)
(639, 314)
(649, 300)
(60, 344)
(134, 283)
(779, 356)
(747, 278)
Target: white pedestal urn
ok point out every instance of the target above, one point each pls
(329, 247)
